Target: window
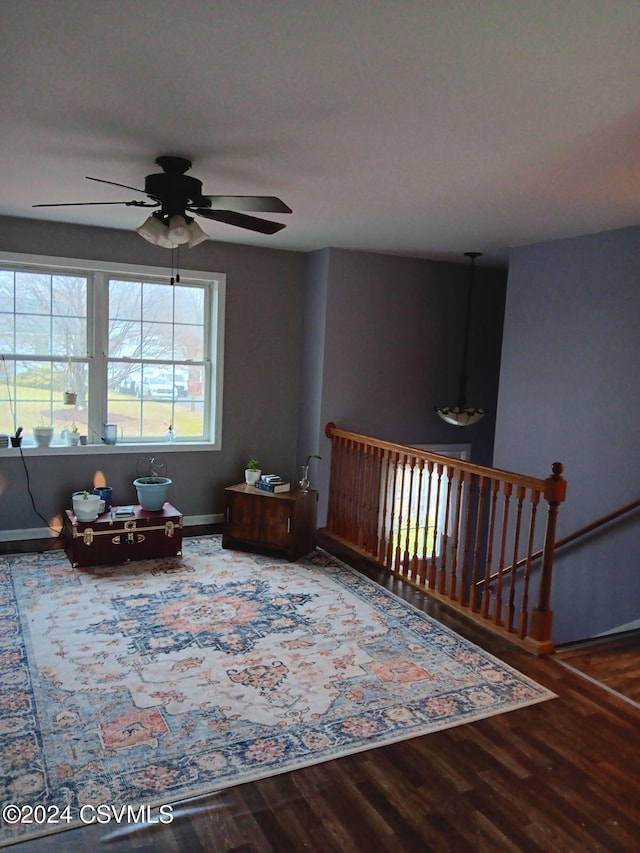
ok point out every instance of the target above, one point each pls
(83, 345)
(416, 511)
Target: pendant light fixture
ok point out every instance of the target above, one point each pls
(461, 414)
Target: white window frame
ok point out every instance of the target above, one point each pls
(97, 319)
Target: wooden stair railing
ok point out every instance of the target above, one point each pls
(443, 524)
(573, 537)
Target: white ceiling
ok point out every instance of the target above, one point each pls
(418, 127)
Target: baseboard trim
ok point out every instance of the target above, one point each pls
(27, 533)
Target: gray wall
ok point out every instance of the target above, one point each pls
(262, 362)
(384, 348)
(570, 391)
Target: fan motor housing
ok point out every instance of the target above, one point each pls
(175, 190)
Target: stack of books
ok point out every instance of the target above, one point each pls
(123, 512)
(272, 483)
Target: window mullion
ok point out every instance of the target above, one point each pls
(98, 310)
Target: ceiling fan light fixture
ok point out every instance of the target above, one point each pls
(196, 235)
(178, 230)
(156, 232)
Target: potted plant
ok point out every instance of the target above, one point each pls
(153, 489)
(16, 440)
(69, 397)
(86, 506)
(252, 472)
(73, 436)
(43, 435)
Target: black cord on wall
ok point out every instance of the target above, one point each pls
(24, 461)
(33, 501)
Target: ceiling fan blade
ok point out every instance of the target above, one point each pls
(252, 223)
(84, 203)
(113, 184)
(259, 203)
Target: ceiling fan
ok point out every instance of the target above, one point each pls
(177, 195)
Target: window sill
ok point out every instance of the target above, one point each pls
(101, 449)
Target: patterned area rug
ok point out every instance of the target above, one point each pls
(164, 679)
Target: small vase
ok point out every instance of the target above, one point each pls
(304, 482)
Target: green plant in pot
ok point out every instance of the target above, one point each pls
(16, 440)
(153, 488)
(252, 471)
(73, 436)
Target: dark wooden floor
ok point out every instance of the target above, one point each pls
(613, 662)
(563, 775)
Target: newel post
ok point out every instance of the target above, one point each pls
(555, 490)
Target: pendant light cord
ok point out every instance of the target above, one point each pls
(462, 388)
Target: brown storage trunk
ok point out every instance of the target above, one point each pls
(109, 540)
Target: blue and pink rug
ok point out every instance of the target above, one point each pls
(165, 679)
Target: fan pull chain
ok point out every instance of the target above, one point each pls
(175, 264)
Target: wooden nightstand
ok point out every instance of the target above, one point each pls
(284, 522)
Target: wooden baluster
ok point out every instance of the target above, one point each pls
(355, 486)
(359, 490)
(342, 490)
(464, 571)
(477, 541)
(363, 526)
(400, 514)
(442, 577)
(344, 497)
(486, 589)
(436, 517)
(510, 608)
(415, 566)
(523, 622)
(373, 501)
(393, 487)
(333, 487)
(338, 498)
(363, 465)
(369, 500)
(352, 526)
(497, 600)
(408, 550)
(383, 539)
(426, 563)
(453, 579)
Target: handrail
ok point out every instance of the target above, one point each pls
(572, 537)
(442, 524)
